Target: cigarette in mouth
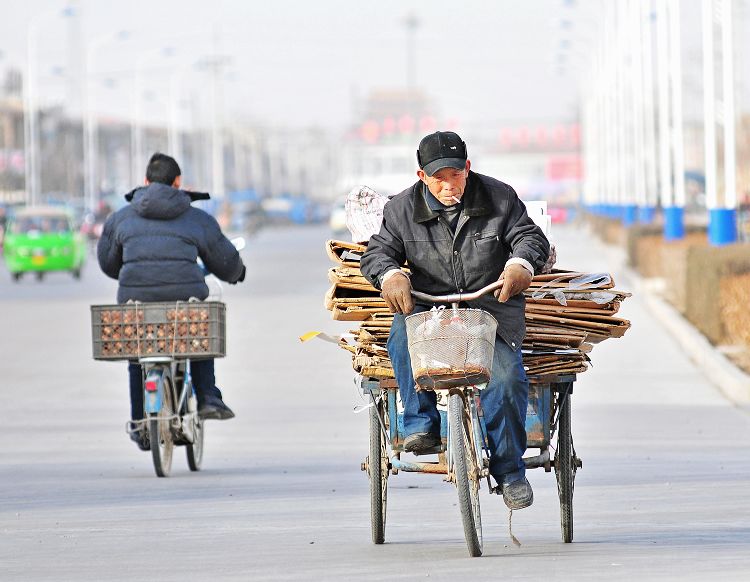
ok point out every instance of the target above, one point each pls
(456, 200)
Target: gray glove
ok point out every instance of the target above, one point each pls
(516, 279)
(397, 293)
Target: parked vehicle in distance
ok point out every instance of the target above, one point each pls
(337, 221)
(41, 239)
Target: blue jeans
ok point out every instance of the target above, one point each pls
(504, 403)
(204, 382)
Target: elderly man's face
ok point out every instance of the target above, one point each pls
(447, 184)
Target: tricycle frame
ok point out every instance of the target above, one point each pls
(548, 415)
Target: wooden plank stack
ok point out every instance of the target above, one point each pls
(567, 312)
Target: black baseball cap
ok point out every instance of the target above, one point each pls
(442, 149)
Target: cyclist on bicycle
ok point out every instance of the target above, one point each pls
(460, 231)
(151, 247)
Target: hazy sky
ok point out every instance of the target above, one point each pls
(303, 62)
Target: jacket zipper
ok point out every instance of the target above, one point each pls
(461, 221)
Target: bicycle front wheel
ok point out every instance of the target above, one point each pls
(465, 468)
(160, 432)
(195, 449)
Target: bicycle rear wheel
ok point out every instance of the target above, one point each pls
(465, 467)
(377, 464)
(160, 431)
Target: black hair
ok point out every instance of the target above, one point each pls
(162, 169)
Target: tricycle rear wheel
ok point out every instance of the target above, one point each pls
(465, 471)
(565, 468)
(377, 466)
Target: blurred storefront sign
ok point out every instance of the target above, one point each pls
(564, 167)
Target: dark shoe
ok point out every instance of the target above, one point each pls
(518, 494)
(214, 409)
(140, 437)
(421, 443)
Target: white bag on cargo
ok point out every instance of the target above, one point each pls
(364, 212)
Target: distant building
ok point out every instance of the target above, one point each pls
(11, 147)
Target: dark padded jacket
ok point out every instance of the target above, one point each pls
(492, 227)
(151, 246)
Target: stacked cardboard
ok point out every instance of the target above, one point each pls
(566, 313)
(352, 298)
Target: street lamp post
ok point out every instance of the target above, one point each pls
(136, 128)
(174, 133)
(31, 131)
(722, 227)
(215, 66)
(646, 213)
(91, 148)
(677, 226)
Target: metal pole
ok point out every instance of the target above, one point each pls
(722, 227)
(31, 169)
(666, 192)
(619, 160)
(638, 198)
(135, 128)
(647, 212)
(137, 141)
(678, 142)
(174, 135)
(609, 124)
(91, 145)
(31, 107)
(217, 138)
(89, 134)
(411, 23)
(727, 61)
(709, 104)
(623, 159)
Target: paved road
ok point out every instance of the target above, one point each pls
(662, 494)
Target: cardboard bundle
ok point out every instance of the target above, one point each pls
(566, 313)
(352, 298)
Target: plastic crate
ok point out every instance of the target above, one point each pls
(180, 329)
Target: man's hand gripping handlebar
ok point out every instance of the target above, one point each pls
(398, 293)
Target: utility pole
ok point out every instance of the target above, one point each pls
(411, 24)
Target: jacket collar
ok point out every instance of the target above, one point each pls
(194, 196)
(476, 200)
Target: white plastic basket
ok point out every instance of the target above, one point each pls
(451, 347)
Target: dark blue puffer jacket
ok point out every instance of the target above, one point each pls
(151, 247)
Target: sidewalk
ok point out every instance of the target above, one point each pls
(731, 381)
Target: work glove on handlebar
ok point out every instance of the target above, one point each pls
(240, 278)
(516, 279)
(396, 291)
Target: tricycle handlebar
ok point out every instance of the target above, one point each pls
(457, 297)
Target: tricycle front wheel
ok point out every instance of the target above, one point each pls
(465, 468)
(377, 466)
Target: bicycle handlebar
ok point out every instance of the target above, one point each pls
(458, 297)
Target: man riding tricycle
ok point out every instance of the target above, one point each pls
(458, 232)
